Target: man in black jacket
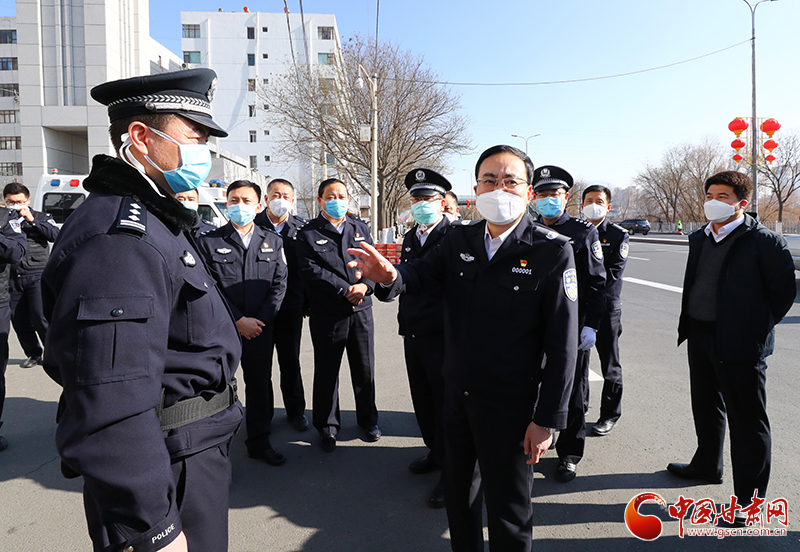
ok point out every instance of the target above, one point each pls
(26, 276)
(739, 283)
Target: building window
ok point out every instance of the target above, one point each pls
(267, 158)
(191, 31)
(265, 82)
(264, 56)
(252, 136)
(251, 85)
(251, 59)
(325, 33)
(8, 36)
(266, 133)
(251, 109)
(266, 106)
(254, 162)
(10, 169)
(251, 32)
(8, 116)
(8, 64)
(9, 89)
(10, 142)
(325, 59)
(327, 84)
(191, 57)
(264, 30)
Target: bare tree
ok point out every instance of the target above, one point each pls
(783, 176)
(317, 108)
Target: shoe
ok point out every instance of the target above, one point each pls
(687, 471)
(372, 434)
(270, 455)
(603, 427)
(327, 442)
(3, 443)
(30, 362)
(436, 500)
(565, 471)
(300, 423)
(739, 520)
(424, 464)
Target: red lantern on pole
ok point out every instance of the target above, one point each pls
(770, 158)
(737, 144)
(770, 145)
(770, 127)
(737, 126)
(737, 157)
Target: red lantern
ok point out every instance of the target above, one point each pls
(737, 157)
(737, 144)
(770, 158)
(770, 127)
(770, 145)
(737, 126)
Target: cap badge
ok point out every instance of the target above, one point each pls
(545, 173)
(420, 176)
(212, 89)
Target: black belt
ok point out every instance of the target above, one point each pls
(197, 408)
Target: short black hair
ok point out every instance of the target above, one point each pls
(597, 188)
(741, 183)
(116, 129)
(327, 182)
(244, 184)
(452, 194)
(193, 190)
(13, 188)
(279, 181)
(494, 150)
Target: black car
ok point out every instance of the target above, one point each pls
(636, 225)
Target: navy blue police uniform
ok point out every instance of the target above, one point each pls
(202, 227)
(288, 328)
(144, 346)
(26, 283)
(13, 244)
(253, 280)
(336, 324)
(592, 306)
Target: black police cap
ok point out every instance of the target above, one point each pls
(425, 182)
(550, 177)
(187, 93)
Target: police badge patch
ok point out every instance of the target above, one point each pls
(623, 250)
(597, 250)
(571, 284)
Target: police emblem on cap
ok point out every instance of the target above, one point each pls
(571, 284)
(545, 173)
(420, 176)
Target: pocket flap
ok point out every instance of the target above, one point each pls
(120, 307)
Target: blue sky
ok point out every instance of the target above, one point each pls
(603, 130)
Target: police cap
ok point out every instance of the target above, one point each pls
(187, 93)
(550, 177)
(425, 182)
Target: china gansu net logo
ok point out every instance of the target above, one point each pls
(643, 527)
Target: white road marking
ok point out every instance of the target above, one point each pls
(638, 258)
(594, 376)
(652, 284)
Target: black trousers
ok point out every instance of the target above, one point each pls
(608, 350)
(424, 360)
(5, 324)
(491, 432)
(286, 336)
(332, 335)
(736, 391)
(259, 398)
(572, 439)
(28, 314)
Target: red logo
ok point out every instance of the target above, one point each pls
(523, 263)
(643, 527)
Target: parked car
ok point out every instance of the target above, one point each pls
(636, 225)
(794, 246)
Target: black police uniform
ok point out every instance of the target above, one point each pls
(253, 280)
(614, 241)
(502, 317)
(288, 329)
(13, 243)
(202, 227)
(26, 283)
(336, 324)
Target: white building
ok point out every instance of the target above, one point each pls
(10, 143)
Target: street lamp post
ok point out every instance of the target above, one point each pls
(526, 139)
(373, 92)
(754, 126)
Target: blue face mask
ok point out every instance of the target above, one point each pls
(426, 212)
(549, 207)
(336, 208)
(241, 214)
(195, 165)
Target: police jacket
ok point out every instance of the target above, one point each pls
(295, 294)
(323, 259)
(202, 227)
(501, 317)
(136, 323)
(589, 263)
(614, 241)
(756, 289)
(253, 279)
(13, 243)
(40, 233)
(423, 312)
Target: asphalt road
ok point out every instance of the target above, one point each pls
(362, 497)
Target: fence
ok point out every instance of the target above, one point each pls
(786, 227)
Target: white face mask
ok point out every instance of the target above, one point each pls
(593, 211)
(16, 207)
(279, 207)
(193, 205)
(718, 211)
(500, 207)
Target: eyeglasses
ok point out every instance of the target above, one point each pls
(507, 183)
(550, 193)
(417, 199)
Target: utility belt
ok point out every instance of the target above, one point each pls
(197, 408)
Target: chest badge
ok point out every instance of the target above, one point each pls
(321, 242)
(523, 263)
(522, 268)
(188, 259)
(223, 250)
(265, 248)
(467, 258)
(359, 237)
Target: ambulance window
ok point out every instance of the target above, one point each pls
(60, 205)
(206, 213)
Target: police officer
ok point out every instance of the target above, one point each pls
(421, 319)
(510, 295)
(249, 265)
(341, 313)
(13, 243)
(451, 206)
(26, 276)
(140, 337)
(596, 205)
(288, 327)
(191, 200)
(551, 187)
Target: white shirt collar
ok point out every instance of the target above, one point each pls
(493, 244)
(245, 237)
(724, 231)
(422, 236)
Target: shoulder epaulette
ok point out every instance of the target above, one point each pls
(540, 231)
(618, 227)
(132, 216)
(585, 222)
